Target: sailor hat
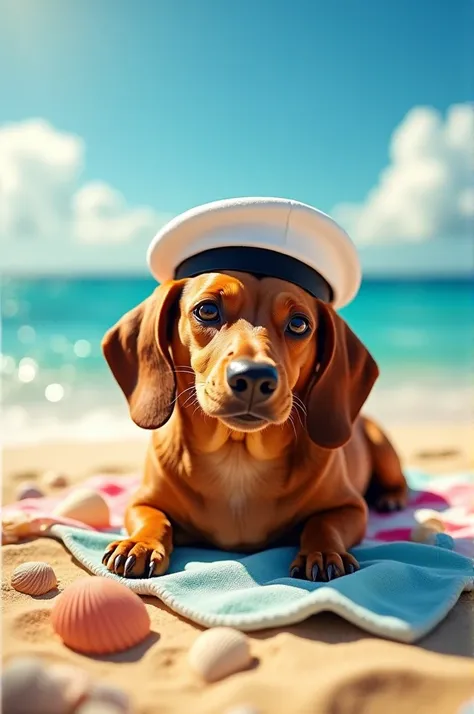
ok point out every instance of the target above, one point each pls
(273, 237)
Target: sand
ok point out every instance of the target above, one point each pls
(322, 665)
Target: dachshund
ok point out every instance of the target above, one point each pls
(252, 390)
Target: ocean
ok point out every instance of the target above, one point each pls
(56, 385)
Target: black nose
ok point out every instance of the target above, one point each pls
(255, 381)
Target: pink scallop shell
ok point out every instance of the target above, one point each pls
(100, 616)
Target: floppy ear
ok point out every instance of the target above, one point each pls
(137, 352)
(347, 372)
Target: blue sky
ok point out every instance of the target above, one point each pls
(173, 104)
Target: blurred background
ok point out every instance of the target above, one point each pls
(116, 117)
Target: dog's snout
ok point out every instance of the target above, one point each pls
(254, 381)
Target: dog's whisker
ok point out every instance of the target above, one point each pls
(298, 415)
(298, 406)
(299, 403)
(191, 399)
(178, 396)
(184, 391)
(190, 402)
(290, 419)
(196, 409)
(303, 414)
(298, 400)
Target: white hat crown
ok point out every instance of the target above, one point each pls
(283, 226)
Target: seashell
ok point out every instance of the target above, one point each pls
(75, 683)
(423, 534)
(34, 578)
(28, 689)
(111, 696)
(219, 652)
(28, 490)
(55, 479)
(243, 709)
(17, 525)
(100, 616)
(85, 505)
(430, 518)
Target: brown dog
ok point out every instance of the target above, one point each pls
(253, 389)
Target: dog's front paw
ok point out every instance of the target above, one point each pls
(136, 558)
(323, 567)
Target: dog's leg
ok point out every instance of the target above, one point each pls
(147, 551)
(388, 490)
(325, 540)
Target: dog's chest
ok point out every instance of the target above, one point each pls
(241, 496)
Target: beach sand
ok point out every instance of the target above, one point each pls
(322, 665)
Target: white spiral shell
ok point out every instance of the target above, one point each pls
(34, 578)
(219, 652)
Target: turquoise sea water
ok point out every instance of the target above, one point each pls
(54, 377)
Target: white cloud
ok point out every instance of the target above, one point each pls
(100, 215)
(427, 190)
(43, 206)
(52, 221)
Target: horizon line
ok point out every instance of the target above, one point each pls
(461, 276)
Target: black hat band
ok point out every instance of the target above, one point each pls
(260, 262)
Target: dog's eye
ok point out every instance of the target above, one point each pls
(207, 312)
(298, 325)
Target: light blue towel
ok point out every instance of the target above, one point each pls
(403, 590)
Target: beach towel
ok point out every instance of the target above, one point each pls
(402, 591)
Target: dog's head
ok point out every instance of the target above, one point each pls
(254, 349)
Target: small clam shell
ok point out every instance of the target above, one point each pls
(100, 616)
(87, 506)
(27, 688)
(54, 479)
(28, 490)
(219, 652)
(430, 518)
(34, 578)
(15, 526)
(423, 534)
